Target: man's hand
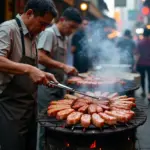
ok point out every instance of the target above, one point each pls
(41, 77)
(70, 70)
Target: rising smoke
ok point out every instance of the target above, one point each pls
(102, 50)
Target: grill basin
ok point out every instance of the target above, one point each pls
(58, 132)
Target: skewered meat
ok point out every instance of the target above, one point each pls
(104, 106)
(74, 118)
(123, 110)
(120, 117)
(99, 109)
(124, 99)
(126, 115)
(108, 119)
(59, 106)
(121, 106)
(87, 101)
(64, 113)
(77, 105)
(97, 120)
(68, 96)
(126, 105)
(86, 120)
(64, 101)
(92, 108)
(74, 109)
(78, 95)
(102, 102)
(53, 111)
(84, 108)
(132, 104)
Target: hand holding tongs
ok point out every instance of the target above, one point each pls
(51, 83)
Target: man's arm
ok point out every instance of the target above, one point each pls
(45, 60)
(34, 73)
(45, 45)
(12, 67)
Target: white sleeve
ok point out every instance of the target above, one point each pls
(46, 40)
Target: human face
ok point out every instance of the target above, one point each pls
(38, 24)
(68, 27)
(84, 24)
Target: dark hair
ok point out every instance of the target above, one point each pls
(41, 7)
(72, 14)
(85, 18)
(146, 32)
(127, 33)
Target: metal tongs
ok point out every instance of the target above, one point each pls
(51, 83)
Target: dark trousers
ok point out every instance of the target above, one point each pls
(143, 70)
(11, 139)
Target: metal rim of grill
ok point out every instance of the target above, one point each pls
(54, 125)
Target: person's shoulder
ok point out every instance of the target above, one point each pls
(7, 26)
(48, 32)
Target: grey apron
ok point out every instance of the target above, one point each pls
(45, 94)
(18, 109)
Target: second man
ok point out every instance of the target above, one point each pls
(52, 48)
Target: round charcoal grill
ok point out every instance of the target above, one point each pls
(77, 135)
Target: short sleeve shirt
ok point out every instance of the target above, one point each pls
(50, 39)
(11, 47)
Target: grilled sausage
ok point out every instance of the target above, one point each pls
(64, 101)
(121, 106)
(87, 101)
(104, 107)
(97, 120)
(74, 118)
(126, 115)
(63, 114)
(108, 119)
(120, 117)
(86, 120)
(84, 108)
(77, 105)
(92, 109)
(53, 111)
(68, 96)
(59, 106)
(99, 109)
(123, 110)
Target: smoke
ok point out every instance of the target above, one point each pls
(101, 50)
(104, 55)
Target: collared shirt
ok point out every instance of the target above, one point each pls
(50, 39)
(11, 47)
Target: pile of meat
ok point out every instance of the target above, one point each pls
(94, 81)
(86, 111)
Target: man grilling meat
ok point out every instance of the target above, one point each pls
(52, 46)
(19, 75)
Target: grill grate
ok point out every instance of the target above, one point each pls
(54, 124)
